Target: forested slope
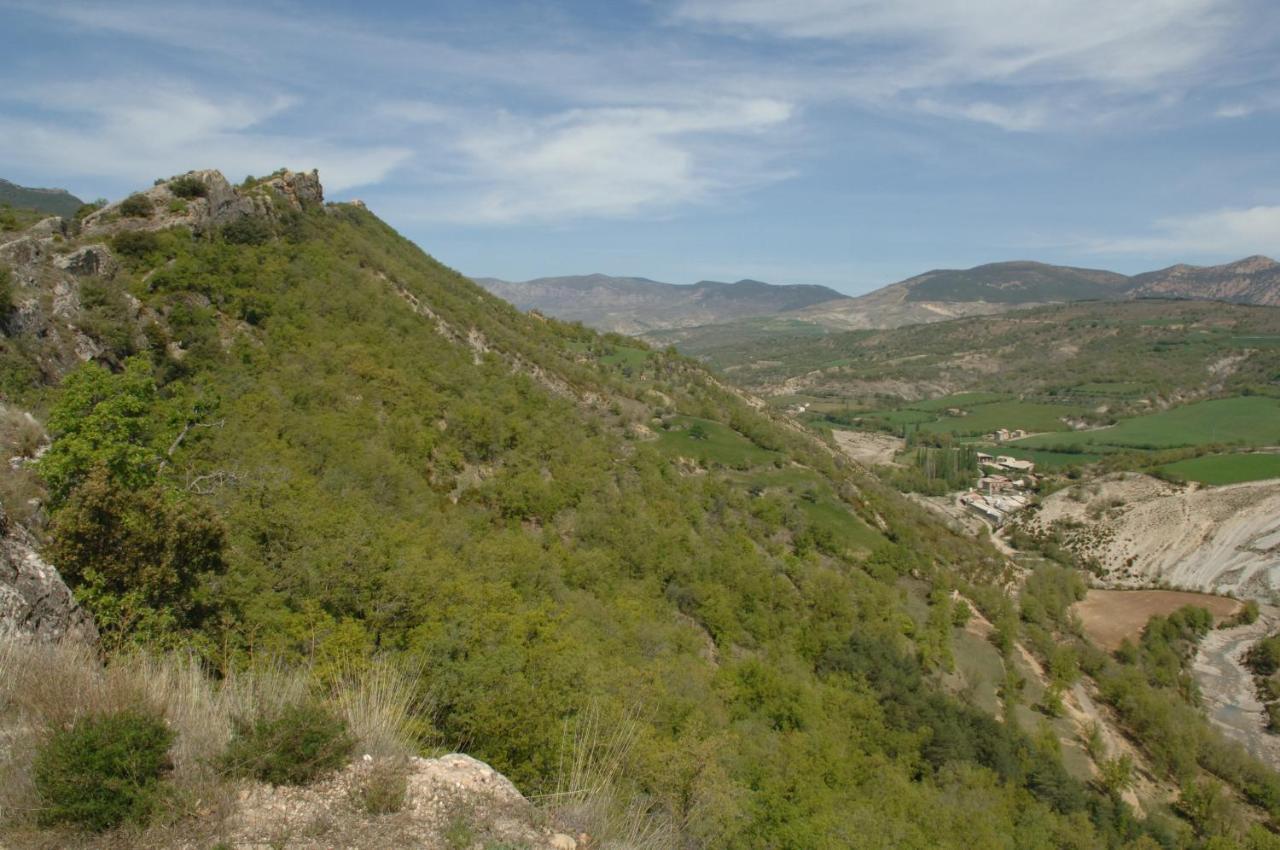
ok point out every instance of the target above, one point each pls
(298, 436)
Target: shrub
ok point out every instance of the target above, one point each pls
(296, 746)
(136, 206)
(384, 788)
(250, 230)
(188, 187)
(102, 770)
(89, 209)
(135, 243)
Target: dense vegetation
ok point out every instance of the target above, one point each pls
(316, 444)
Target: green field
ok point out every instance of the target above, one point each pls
(1227, 468)
(1247, 420)
(717, 443)
(961, 400)
(1046, 459)
(984, 418)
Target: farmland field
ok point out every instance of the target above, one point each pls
(1110, 616)
(983, 418)
(1227, 468)
(1046, 459)
(1248, 420)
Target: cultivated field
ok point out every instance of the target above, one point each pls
(1227, 468)
(1248, 420)
(1110, 616)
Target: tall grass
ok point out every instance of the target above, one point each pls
(588, 797)
(47, 687)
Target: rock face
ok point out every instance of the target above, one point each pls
(34, 601)
(88, 261)
(221, 204)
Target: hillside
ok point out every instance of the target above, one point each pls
(1152, 350)
(51, 201)
(634, 305)
(279, 433)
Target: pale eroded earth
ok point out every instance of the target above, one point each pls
(1144, 531)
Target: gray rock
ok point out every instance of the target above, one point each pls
(34, 601)
(87, 261)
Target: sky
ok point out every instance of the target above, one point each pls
(849, 143)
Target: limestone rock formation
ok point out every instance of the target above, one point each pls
(220, 205)
(447, 800)
(34, 601)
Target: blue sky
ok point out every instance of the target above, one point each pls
(844, 142)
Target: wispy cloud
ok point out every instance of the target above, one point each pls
(137, 129)
(611, 161)
(1225, 232)
(1021, 66)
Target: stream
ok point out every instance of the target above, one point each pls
(1227, 686)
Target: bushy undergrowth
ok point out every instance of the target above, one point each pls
(84, 744)
(296, 746)
(136, 206)
(188, 187)
(102, 770)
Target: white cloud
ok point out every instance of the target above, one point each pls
(1229, 232)
(138, 130)
(610, 161)
(1022, 65)
(1137, 42)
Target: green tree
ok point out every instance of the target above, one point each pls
(102, 419)
(138, 559)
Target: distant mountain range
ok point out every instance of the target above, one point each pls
(635, 305)
(669, 312)
(52, 201)
(996, 287)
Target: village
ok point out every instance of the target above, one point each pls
(1004, 488)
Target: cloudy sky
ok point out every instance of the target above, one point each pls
(844, 142)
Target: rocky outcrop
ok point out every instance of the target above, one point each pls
(220, 205)
(88, 261)
(34, 602)
(453, 800)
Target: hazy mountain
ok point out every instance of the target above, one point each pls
(995, 287)
(634, 305)
(1253, 280)
(52, 201)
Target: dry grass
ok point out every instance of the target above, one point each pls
(380, 702)
(587, 797)
(20, 434)
(45, 687)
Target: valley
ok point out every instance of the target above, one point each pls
(872, 548)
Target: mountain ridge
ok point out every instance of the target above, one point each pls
(665, 312)
(53, 201)
(635, 305)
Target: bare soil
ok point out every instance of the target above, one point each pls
(868, 449)
(1110, 616)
